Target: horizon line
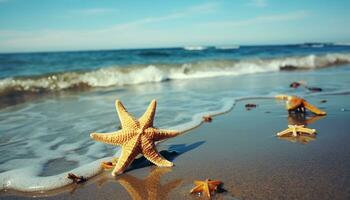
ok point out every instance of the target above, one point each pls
(162, 47)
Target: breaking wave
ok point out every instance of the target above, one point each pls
(195, 48)
(138, 74)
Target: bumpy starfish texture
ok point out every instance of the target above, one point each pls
(295, 130)
(208, 187)
(136, 137)
(297, 104)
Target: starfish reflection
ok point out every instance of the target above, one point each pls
(150, 187)
(302, 139)
(303, 119)
(147, 188)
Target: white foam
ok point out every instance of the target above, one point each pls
(195, 48)
(27, 178)
(116, 76)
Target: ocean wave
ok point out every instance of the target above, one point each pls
(227, 47)
(195, 48)
(154, 54)
(341, 44)
(138, 74)
(313, 45)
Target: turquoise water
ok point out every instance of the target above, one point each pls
(53, 101)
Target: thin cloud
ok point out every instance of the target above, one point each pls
(258, 3)
(92, 11)
(206, 8)
(260, 19)
(130, 34)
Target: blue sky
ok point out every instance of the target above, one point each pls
(51, 25)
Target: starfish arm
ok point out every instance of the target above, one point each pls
(284, 132)
(314, 109)
(295, 132)
(216, 183)
(129, 151)
(206, 190)
(294, 102)
(212, 187)
(114, 138)
(161, 134)
(307, 130)
(196, 189)
(150, 152)
(126, 120)
(282, 97)
(147, 118)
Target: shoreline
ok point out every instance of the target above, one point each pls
(192, 138)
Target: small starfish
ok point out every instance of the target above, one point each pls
(295, 129)
(208, 186)
(136, 137)
(298, 104)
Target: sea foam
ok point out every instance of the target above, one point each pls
(138, 74)
(28, 179)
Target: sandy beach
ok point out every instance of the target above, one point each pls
(240, 149)
(174, 100)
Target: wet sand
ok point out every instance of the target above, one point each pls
(240, 148)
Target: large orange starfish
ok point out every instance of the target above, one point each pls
(135, 137)
(208, 186)
(298, 104)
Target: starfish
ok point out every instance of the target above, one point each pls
(208, 186)
(147, 188)
(295, 129)
(298, 104)
(136, 137)
(109, 164)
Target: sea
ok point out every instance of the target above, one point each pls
(50, 102)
